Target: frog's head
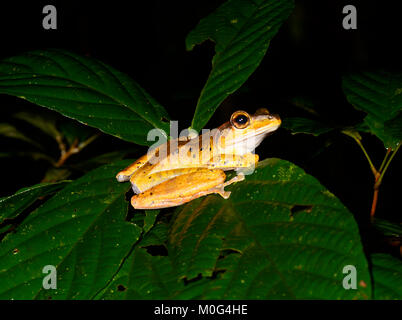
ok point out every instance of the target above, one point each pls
(244, 132)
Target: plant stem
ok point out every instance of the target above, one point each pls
(373, 169)
(74, 148)
(378, 182)
(378, 178)
(374, 204)
(83, 144)
(66, 154)
(62, 146)
(385, 159)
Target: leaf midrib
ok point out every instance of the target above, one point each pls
(81, 236)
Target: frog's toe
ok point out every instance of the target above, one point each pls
(224, 194)
(135, 188)
(121, 177)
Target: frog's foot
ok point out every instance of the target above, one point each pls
(239, 177)
(226, 194)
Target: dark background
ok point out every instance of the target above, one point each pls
(146, 39)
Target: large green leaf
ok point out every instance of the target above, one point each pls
(387, 277)
(280, 235)
(84, 89)
(379, 94)
(145, 276)
(242, 31)
(13, 205)
(81, 231)
(393, 127)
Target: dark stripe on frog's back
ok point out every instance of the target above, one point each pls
(191, 154)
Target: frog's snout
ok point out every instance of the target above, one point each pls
(276, 119)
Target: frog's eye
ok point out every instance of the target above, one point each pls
(240, 119)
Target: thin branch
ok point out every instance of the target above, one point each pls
(373, 169)
(74, 148)
(374, 204)
(61, 144)
(385, 159)
(83, 144)
(379, 177)
(66, 154)
(378, 182)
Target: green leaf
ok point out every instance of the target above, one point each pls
(387, 277)
(241, 31)
(389, 229)
(304, 104)
(42, 121)
(84, 89)
(28, 154)
(56, 174)
(81, 231)
(353, 133)
(393, 127)
(303, 125)
(9, 131)
(144, 276)
(13, 205)
(157, 236)
(117, 288)
(104, 158)
(73, 131)
(150, 218)
(379, 94)
(280, 235)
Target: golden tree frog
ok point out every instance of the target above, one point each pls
(187, 168)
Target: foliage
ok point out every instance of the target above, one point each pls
(281, 234)
(387, 275)
(242, 31)
(83, 89)
(379, 95)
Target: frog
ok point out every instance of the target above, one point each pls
(194, 166)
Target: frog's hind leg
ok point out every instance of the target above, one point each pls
(183, 188)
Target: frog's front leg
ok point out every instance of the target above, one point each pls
(183, 188)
